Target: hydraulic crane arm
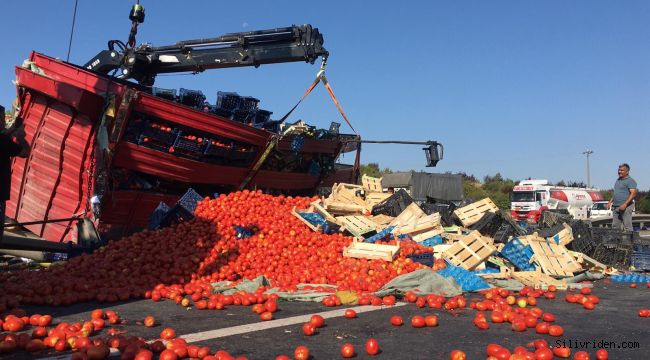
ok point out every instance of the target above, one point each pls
(143, 63)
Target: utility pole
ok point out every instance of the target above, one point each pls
(588, 152)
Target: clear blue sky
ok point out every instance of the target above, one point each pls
(517, 87)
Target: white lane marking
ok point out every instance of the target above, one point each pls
(265, 325)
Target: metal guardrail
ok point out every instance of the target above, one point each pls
(637, 219)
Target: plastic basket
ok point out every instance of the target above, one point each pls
(260, 116)
(189, 200)
(518, 254)
(635, 278)
(380, 235)
(617, 256)
(242, 154)
(248, 103)
(610, 236)
(157, 216)
(242, 116)
(189, 147)
(432, 241)
(640, 258)
(393, 205)
(156, 137)
(464, 278)
(488, 225)
(228, 100)
(169, 94)
(424, 258)
(193, 98)
(217, 150)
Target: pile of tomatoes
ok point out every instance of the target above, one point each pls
(208, 249)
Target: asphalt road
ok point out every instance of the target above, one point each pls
(615, 321)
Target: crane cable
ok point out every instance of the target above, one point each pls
(320, 76)
(74, 17)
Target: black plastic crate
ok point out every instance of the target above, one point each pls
(240, 154)
(169, 94)
(242, 116)
(228, 100)
(488, 224)
(248, 103)
(189, 200)
(193, 98)
(189, 147)
(154, 136)
(617, 256)
(158, 215)
(610, 236)
(394, 204)
(552, 218)
(503, 233)
(217, 150)
(260, 116)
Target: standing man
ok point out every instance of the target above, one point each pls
(622, 202)
(8, 149)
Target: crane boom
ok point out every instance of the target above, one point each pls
(254, 48)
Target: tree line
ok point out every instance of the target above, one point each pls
(498, 188)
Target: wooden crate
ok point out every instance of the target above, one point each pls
(588, 262)
(304, 221)
(408, 216)
(319, 208)
(371, 251)
(373, 199)
(469, 251)
(504, 273)
(538, 280)
(381, 220)
(554, 259)
(473, 212)
(371, 184)
(426, 234)
(357, 225)
(344, 208)
(565, 235)
(347, 193)
(423, 223)
(452, 237)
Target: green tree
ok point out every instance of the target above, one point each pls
(372, 169)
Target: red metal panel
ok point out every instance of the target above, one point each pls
(324, 146)
(50, 182)
(76, 76)
(201, 121)
(139, 158)
(83, 101)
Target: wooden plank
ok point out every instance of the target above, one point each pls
(381, 220)
(565, 235)
(473, 212)
(357, 225)
(318, 207)
(588, 262)
(426, 222)
(337, 207)
(371, 251)
(304, 221)
(373, 199)
(469, 251)
(371, 184)
(409, 215)
(538, 280)
(554, 259)
(426, 234)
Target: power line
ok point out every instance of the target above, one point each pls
(74, 17)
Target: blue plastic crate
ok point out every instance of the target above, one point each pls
(634, 278)
(424, 258)
(466, 279)
(157, 216)
(380, 235)
(640, 258)
(432, 241)
(518, 254)
(189, 200)
(176, 215)
(318, 220)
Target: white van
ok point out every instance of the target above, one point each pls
(599, 209)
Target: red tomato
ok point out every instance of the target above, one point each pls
(266, 316)
(350, 314)
(431, 320)
(602, 354)
(308, 329)
(644, 313)
(544, 354)
(168, 355)
(372, 347)
(396, 320)
(457, 355)
(149, 321)
(562, 352)
(417, 321)
(317, 320)
(301, 353)
(168, 334)
(542, 328)
(271, 306)
(555, 330)
(585, 291)
(581, 355)
(493, 349)
(347, 350)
